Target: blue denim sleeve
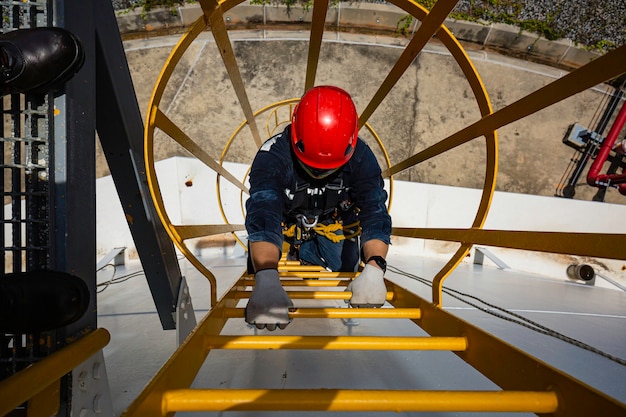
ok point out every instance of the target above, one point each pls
(370, 196)
(264, 207)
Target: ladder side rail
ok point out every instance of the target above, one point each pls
(520, 372)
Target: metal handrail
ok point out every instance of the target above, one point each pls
(27, 383)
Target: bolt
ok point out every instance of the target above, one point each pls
(82, 381)
(97, 404)
(96, 370)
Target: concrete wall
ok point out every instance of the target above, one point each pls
(377, 17)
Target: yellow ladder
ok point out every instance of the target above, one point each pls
(528, 385)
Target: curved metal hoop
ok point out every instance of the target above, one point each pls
(431, 24)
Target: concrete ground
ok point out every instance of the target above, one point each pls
(431, 101)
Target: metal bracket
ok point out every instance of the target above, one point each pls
(479, 257)
(91, 394)
(116, 255)
(611, 281)
(185, 316)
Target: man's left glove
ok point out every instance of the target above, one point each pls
(269, 303)
(368, 289)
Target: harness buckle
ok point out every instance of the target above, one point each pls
(305, 222)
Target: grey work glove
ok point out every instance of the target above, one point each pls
(368, 289)
(269, 303)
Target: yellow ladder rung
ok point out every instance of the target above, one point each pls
(317, 274)
(298, 267)
(310, 295)
(285, 262)
(311, 274)
(358, 400)
(340, 313)
(304, 282)
(336, 342)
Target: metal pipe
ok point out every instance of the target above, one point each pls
(581, 272)
(28, 382)
(316, 274)
(593, 176)
(357, 313)
(336, 342)
(306, 282)
(341, 313)
(358, 400)
(591, 146)
(310, 295)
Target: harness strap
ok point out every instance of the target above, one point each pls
(329, 231)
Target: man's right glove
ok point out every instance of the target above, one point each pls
(269, 303)
(368, 289)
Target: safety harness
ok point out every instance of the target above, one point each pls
(319, 210)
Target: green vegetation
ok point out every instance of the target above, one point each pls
(404, 24)
(305, 4)
(147, 5)
(508, 12)
(512, 12)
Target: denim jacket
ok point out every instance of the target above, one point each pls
(275, 173)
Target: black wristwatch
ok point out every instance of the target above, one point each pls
(380, 261)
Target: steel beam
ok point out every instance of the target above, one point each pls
(120, 128)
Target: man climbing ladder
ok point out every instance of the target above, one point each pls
(318, 186)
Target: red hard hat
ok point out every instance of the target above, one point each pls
(324, 128)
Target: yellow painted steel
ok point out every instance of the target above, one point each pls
(320, 275)
(46, 403)
(37, 377)
(154, 116)
(310, 295)
(173, 131)
(357, 313)
(315, 42)
(215, 17)
(431, 23)
(484, 106)
(356, 400)
(303, 268)
(336, 342)
(341, 313)
(305, 282)
(597, 71)
(602, 245)
(190, 232)
(531, 385)
(181, 368)
(507, 366)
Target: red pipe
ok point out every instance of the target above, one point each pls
(593, 176)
